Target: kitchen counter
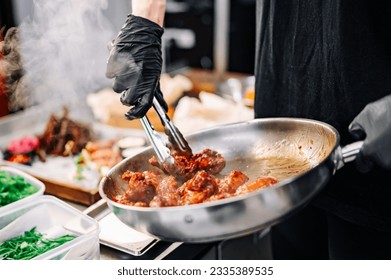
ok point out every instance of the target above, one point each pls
(160, 250)
(253, 246)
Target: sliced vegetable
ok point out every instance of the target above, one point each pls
(29, 245)
(23, 145)
(14, 187)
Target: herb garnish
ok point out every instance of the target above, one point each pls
(29, 245)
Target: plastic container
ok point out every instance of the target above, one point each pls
(53, 218)
(30, 179)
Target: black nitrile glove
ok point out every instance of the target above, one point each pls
(374, 124)
(135, 62)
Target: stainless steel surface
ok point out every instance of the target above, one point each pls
(349, 153)
(115, 234)
(164, 147)
(302, 154)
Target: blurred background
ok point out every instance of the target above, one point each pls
(64, 44)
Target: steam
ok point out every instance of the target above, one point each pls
(64, 50)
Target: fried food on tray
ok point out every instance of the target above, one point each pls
(197, 182)
(93, 146)
(63, 137)
(101, 153)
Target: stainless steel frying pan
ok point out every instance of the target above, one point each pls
(302, 154)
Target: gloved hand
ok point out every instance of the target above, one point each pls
(135, 62)
(374, 124)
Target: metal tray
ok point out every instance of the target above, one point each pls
(116, 234)
(56, 172)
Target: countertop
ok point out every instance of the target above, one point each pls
(256, 246)
(160, 250)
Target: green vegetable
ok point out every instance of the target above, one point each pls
(29, 245)
(13, 188)
(80, 166)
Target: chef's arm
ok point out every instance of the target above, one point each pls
(153, 10)
(135, 61)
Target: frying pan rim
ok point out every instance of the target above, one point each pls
(222, 202)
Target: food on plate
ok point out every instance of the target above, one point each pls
(101, 154)
(93, 146)
(96, 158)
(63, 137)
(82, 154)
(14, 188)
(26, 158)
(30, 245)
(23, 145)
(21, 150)
(197, 180)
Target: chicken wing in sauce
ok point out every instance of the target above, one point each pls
(229, 184)
(259, 183)
(166, 193)
(208, 160)
(142, 187)
(198, 189)
(196, 182)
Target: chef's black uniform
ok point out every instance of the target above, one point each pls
(325, 60)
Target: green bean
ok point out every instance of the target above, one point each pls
(29, 245)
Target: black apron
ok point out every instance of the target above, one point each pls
(325, 60)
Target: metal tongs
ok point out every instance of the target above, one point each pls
(163, 149)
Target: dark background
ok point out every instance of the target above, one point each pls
(196, 15)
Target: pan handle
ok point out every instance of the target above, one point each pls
(349, 153)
